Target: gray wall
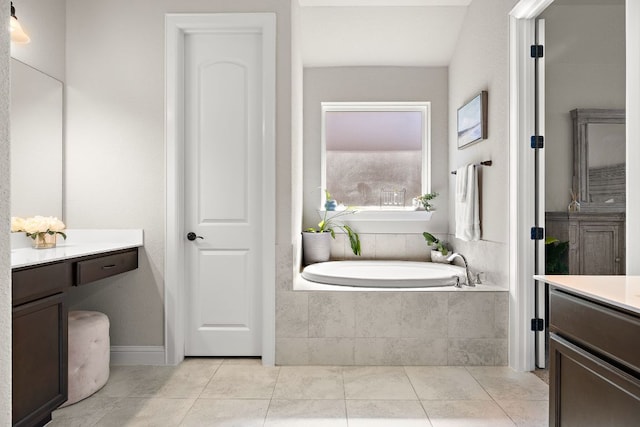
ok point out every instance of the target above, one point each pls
(376, 84)
(44, 22)
(5, 249)
(296, 142)
(585, 68)
(115, 143)
(480, 62)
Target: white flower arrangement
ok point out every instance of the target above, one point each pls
(38, 226)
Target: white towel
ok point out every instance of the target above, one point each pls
(461, 184)
(467, 205)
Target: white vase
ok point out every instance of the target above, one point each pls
(436, 256)
(316, 247)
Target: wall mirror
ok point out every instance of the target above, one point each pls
(375, 155)
(599, 159)
(36, 142)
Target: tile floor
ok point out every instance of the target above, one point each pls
(240, 392)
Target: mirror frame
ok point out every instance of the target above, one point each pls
(582, 117)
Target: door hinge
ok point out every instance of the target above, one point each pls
(537, 51)
(537, 233)
(537, 141)
(537, 325)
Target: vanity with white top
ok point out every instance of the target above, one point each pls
(594, 350)
(41, 280)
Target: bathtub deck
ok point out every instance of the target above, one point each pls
(301, 284)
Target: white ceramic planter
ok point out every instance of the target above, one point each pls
(436, 256)
(316, 247)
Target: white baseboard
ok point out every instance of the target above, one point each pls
(137, 355)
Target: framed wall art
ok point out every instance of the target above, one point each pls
(472, 120)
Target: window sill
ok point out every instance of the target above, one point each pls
(385, 220)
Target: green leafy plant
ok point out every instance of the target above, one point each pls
(424, 201)
(433, 240)
(329, 223)
(556, 256)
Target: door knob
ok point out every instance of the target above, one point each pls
(192, 236)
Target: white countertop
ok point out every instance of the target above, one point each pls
(620, 291)
(78, 243)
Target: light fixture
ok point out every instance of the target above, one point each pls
(17, 33)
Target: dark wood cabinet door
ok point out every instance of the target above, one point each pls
(39, 359)
(600, 249)
(588, 391)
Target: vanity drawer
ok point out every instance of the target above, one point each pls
(606, 331)
(39, 282)
(105, 266)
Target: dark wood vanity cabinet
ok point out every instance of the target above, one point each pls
(39, 342)
(594, 355)
(40, 329)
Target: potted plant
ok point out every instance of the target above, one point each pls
(424, 201)
(439, 254)
(316, 245)
(556, 256)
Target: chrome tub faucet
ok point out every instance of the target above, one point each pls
(466, 267)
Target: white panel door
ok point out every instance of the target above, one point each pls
(223, 160)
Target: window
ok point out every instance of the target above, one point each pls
(376, 154)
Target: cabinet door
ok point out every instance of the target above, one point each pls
(585, 390)
(574, 248)
(39, 359)
(599, 249)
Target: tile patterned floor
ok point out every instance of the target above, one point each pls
(240, 392)
(543, 374)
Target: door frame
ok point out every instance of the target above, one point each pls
(540, 288)
(632, 17)
(521, 27)
(521, 182)
(176, 26)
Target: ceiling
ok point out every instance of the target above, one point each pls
(380, 32)
(386, 32)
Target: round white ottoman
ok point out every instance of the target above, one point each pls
(88, 354)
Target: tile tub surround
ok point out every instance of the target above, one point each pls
(408, 247)
(392, 328)
(448, 327)
(188, 395)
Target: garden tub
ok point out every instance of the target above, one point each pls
(384, 274)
